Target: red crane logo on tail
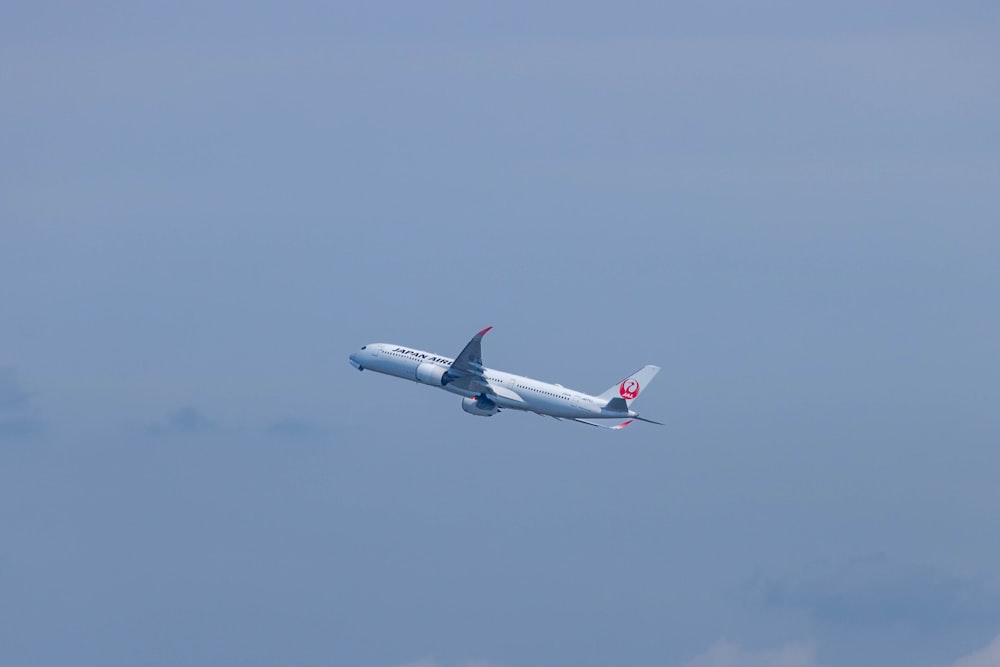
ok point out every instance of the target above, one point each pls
(629, 389)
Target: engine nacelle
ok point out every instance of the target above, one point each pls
(479, 406)
(431, 374)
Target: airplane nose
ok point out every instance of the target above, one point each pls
(355, 362)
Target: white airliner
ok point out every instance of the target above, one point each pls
(486, 391)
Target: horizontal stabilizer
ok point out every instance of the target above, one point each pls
(614, 427)
(617, 404)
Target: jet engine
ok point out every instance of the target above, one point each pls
(431, 374)
(479, 406)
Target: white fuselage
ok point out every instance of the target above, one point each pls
(507, 390)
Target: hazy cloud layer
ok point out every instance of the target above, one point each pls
(725, 654)
(987, 657)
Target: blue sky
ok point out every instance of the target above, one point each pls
(792, 209)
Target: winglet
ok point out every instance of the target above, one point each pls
(470, 360)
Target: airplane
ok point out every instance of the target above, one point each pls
(487, 391)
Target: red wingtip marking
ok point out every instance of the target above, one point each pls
(625, 423)
(483, 332)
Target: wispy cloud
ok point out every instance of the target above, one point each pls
(873, 590)
(296, 428)
(19, 427)
(12, 396)
(724, 654)
(186, 420)
(431, 662)
(15, 418)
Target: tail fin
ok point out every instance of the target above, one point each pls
(628, 389)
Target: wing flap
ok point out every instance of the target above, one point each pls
(473, 383)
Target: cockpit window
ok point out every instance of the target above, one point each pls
(363, 346)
